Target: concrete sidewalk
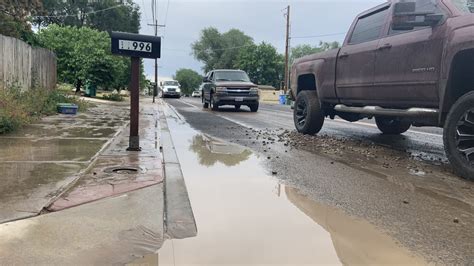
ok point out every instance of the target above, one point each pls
(86, 152)
(124, 217)
(40, 161)
(113, 231)
(116, 170)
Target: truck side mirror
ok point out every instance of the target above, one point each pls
(402, 8)
(405, 17)
(205, 80)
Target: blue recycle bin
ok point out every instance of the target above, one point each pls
(282, 99)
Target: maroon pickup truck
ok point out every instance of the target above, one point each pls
(404, 63)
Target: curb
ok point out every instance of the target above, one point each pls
(179, 217)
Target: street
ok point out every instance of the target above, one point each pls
(239, 188)
(426, 142)
(399, 188)
(302, 133)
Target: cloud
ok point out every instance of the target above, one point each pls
(263, 20)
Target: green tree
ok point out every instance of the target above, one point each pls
(189, 80)
(103, 15)
(263, 63)
(220, 50)
(14, 15)
(50, 13)
(125, 18)
(84, 55)
(306, 49)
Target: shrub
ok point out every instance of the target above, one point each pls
(113, 97)
(19, 108)
(66, 89)
(12, 114)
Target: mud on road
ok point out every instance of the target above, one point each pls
(416, 200)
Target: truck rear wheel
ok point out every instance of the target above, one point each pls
(392, 125)
(459, 136)
(308, 114)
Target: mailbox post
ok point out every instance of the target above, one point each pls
(135, 46)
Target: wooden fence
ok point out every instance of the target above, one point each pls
(25, 66)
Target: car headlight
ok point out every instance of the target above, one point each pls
(221, 89)
(254, 91)
(178, 90)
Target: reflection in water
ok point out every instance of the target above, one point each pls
(244, 217)
(42, 149)
(357, 242)
(211, 151)
(23, 179)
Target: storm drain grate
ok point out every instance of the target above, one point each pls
(124, 170)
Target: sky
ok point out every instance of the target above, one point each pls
(263, 20)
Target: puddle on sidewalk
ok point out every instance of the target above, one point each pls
(245, 217)
(31, 177)
(38, 161)
(126, 225)
(57, 150)
(93, 130)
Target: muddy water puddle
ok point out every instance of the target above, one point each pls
(51, 131)
(246, 217)
(49, 149)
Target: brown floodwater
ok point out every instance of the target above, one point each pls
(37, 161)
(44, 150)
(245, 216)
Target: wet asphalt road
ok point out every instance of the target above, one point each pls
(412, 196)
(425, 142)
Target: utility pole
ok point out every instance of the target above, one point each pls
(156, 25)
(155, 91)
(287, 50)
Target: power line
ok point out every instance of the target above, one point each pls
(153, 10)
(88, 13)
(167, 10)
(318, 36)
(232, 48)
(144, 11)
(166, 17)
(155, 24)
(175, 50)
(220, 49)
